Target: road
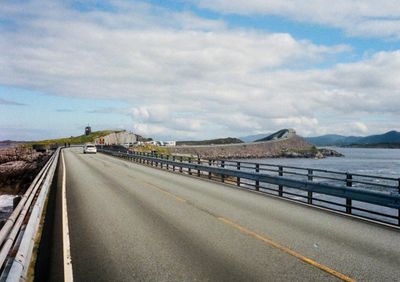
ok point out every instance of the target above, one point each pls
(129, 222)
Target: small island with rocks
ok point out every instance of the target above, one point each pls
(284, 143)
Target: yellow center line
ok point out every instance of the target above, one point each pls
(287, 250)
(266, 240)
(179, 199)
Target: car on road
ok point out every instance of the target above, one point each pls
(89, 149)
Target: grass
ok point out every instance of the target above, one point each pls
(82, 139)
(147, 148)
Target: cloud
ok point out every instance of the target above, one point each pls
(366, 18)
(186, 76)
(360, 127)
(10, 103)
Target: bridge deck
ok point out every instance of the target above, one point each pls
(129, 222)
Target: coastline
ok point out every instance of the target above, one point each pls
(293, 147)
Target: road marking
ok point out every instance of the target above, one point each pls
(266, 240)
(68, 274)
(286, 250)
(179, 199)
(257, 236)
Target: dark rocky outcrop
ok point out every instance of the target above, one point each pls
(18, 167)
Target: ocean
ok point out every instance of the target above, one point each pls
(373, 162)
(381, 162)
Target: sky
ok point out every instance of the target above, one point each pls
(198, 69)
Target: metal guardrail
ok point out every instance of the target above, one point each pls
(18, 234)
(373, 197)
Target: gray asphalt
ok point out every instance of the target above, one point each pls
(129, 222)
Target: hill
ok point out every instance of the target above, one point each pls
(220, 141)
(333, 140)
(82, 139)
(388, 139)
(283, 143)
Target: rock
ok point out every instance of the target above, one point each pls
(18, 167)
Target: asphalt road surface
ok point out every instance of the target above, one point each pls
(129, 222)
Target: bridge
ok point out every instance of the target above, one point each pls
(123, 216)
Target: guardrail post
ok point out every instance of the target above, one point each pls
(257, 182)
(181, 160)
(398, 216)
(199, 163)
(16, 201)
(209, 173)
(310, 193)
(167, 163)
(280, 188)
(238, 178)
(161, 157)
(173, 166)
(222, 175)
(349, 183)
(189, 169)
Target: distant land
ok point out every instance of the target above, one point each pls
(10, 143)
(219, 141)
(283, 143)
(389, 139)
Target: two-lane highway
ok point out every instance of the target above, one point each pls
(129, 222)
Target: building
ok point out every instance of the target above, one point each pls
(123, 138)
(88, 130)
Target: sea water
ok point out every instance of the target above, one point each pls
(367, 161)
(382, 162)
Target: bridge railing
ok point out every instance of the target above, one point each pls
(18, 235)
(373, 197)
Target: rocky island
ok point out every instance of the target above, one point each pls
(18, 167)
(283, 143)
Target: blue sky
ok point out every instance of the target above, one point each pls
(198, 69)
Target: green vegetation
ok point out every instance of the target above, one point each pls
(82, 139)
(147, 148)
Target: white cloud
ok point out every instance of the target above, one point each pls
(186, 76)
(360, 127)
(367, 18)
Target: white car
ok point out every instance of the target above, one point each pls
(89, 148)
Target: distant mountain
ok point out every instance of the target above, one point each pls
(10, 143)
(380, 140)
(252, 138)
(333, 140)
(390, 137)
(220, 141)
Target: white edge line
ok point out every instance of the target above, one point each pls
(68, 274)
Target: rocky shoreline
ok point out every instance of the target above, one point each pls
(293, 147)
(18, 167)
